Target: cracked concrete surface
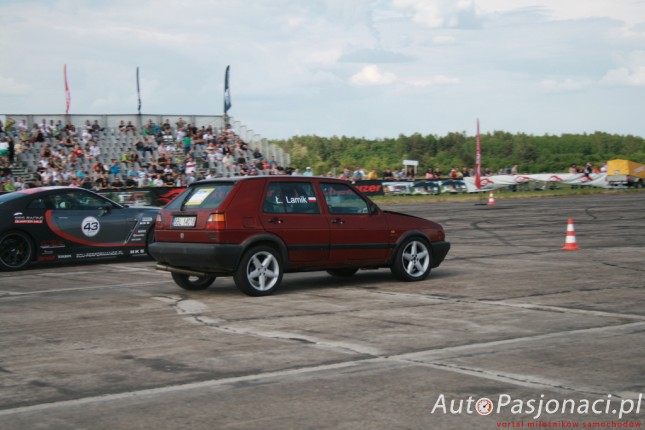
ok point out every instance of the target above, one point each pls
(120, 346)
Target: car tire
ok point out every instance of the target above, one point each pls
(16, 250)
(193, 283)
(259, 272)
(150, 238)
(413, 260)
(343, 273)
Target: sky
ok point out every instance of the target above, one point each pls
(358, 68)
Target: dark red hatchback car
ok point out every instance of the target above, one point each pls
(258, 228)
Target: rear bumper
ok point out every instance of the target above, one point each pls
(204, 257)
(439, 251)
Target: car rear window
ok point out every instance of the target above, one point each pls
(205, 196)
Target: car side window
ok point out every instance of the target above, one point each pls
(341, 199)
(38, 203)
(75, 200)
(85, 201)
(291, 197)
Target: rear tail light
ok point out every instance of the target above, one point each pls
(158, 222)
(216, 221)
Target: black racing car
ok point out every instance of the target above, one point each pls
(67, 224)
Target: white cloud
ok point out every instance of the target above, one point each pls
(372, 75)
(630, 70)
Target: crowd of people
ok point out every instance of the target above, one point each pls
(156, 155)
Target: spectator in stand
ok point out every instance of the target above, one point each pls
(359, 174)
(78, 152)
(229, 163)
(131, 180)
(67, 142)
(388, 175)
(101, 182)
(187, 144)
(19, 149)
(19, 184)
(60, 128)
(180, 180)
(192, 177)
(115, 169)
(86, 136)
(37, 134)
(96, 127)
(133, 158)
(9, 125)
(130, 128)
(208, 136)
(122, 127)
(22, 127)
(190, 166)
(45, 129)
(169, 180)
(43, 163)
(308, 171)
(71, 130)
(257, 155)
(94, 152)
(98, 169)
(4, 147)
(117, 182)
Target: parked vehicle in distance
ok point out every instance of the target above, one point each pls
(69, 224)
(258, 228)
(453, 186)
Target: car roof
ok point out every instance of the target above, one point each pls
(280, 178)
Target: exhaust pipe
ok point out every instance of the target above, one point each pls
(188, 272)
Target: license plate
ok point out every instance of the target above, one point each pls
(184, 221)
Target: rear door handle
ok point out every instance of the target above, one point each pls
(338, 221)
(276, 220)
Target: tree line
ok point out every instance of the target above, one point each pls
(500, 149)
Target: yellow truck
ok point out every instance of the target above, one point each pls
(625, 173)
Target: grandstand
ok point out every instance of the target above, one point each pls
(114, 140)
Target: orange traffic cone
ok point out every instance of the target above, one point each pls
(570, 243)
(491, 199)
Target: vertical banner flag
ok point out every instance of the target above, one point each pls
(68, 96)
(227, 92)
(478, 160)
(138, 92)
